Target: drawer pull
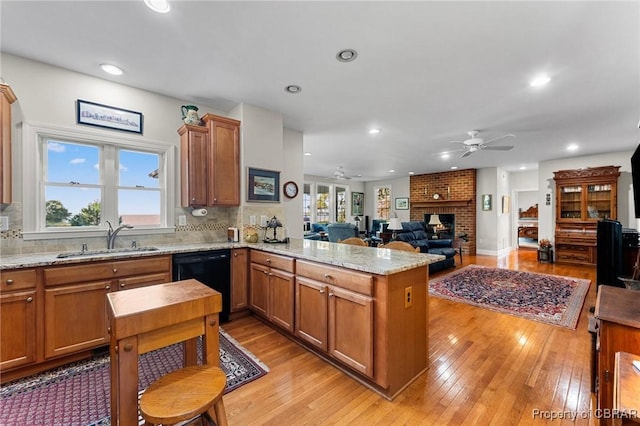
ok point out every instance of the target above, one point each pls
(115, 270)
(108, 287)
(235, 254)
(29, 299)
(270, 274)
(9, 281)
(265, 272)
(327, 276)
(330, 294)
(122, 285)
(268, 260)
(322, 291)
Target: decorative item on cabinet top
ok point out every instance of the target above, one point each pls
(190, 115)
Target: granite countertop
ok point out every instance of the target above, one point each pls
(366, 259)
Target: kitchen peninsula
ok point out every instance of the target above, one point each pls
(363, 309)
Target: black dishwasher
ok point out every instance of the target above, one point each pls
(212, 268)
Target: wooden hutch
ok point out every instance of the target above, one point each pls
(583, 196)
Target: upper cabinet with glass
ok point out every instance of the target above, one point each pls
(587, 194)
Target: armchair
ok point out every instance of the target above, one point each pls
(341, 231)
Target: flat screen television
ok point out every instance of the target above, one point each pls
(635, 177)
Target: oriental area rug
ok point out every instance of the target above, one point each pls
(78, 393)
(545, 298)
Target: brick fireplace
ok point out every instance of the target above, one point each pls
(456, 194)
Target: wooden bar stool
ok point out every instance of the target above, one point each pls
(184, 394)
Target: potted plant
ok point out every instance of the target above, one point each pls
(545, 254)
(545, 244)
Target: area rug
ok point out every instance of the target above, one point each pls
(78, 393)
(546, 298)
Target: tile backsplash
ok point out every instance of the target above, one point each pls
(210, 228)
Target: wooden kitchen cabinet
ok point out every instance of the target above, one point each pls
(18, 310)
(7, 97)
(193, 165)
(619, 331)
(583, 196)
(333, 318)
(239, 279)
(75, 299)
(224, 158)
(272, 288)
(210, 162)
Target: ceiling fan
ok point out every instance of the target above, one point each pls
(476, 143)
(339, 174)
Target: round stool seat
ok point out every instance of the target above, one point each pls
(185, 394)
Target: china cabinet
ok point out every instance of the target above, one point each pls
(583, 196)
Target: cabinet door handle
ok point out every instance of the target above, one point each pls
(9, 281)
(235, 254)
(270, 274)
(265, 272)
(122, 285)
(29, 299)
(108, 287)
(193, 199)
(330, 294)
(327, 276)
(115, 270)
(322, 291)
(268, 260)
(215, 200)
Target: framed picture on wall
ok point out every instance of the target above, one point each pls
(506, 204)
(486, 202)
(402, 203)
(357, 203)
(263, 185)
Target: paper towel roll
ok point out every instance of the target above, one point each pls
(199, 212)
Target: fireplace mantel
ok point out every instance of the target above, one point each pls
(441, 203)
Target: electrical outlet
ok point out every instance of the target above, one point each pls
(252, 220)
(263, 221)
(408, 295)
(182, 220)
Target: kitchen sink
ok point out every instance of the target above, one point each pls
(104, 251)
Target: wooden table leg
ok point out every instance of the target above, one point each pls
(127, 380)
(211, 342)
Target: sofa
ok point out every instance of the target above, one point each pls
(316, 229)
(416, 234)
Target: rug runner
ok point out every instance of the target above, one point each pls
(79, 393)
(550, 299)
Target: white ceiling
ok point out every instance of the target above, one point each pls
(426, 72)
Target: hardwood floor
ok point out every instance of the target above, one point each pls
(485, 368)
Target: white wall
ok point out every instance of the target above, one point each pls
(487, 221)
(292, 170)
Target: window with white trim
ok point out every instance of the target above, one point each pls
(84, 179)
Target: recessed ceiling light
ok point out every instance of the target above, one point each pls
(445, 155)
(374, 131)
(346, 55)
(572, 147)
(454, 167)
(523, 167)
(293, 88)
(160, 6)
(540, 80)
(412, 173)
(392, 171)
(111, 69)
(307, 154)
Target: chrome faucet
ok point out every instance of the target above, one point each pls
(112, 234)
